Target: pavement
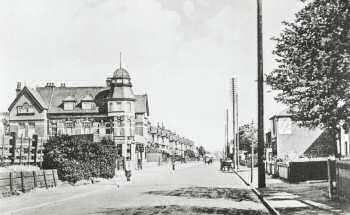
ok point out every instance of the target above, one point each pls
(193, 188)
(304, 198)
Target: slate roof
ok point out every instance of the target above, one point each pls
(123, 93)
(283, 113)
(53, 97)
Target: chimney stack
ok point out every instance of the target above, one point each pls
(18, 88)
(50, 84)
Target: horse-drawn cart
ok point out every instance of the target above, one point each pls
(226, 165)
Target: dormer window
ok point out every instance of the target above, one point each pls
(87, 103)
(69, 103)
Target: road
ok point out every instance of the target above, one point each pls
(191, 189)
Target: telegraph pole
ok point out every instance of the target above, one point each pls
(234, 142)
(227, 142)
(261, 166)
(237, 133)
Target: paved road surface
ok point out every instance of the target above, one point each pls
(192, 189)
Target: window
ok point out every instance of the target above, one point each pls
(128, 107)
(119, 106)
(25, 109)
(68, 106)
(111, 107)
(31, 129)
(122, 132)
(53, 128)
(21, 129)
(86, 124)
(69, 124)
(139, 131)
(86, 105)
(108, 128)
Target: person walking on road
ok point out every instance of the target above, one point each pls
(128, 169)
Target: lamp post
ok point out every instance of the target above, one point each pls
(261, 166)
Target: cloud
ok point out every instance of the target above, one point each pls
(189, 8)
(182, 53)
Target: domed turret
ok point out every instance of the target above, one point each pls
(121, 73)
(120, 78)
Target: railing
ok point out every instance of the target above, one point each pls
(21, 150)
(11, 182)
(343, 179)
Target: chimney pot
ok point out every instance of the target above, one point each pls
(18, 88)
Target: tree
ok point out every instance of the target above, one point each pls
(247, 137)
(201, 151)
(312, 77)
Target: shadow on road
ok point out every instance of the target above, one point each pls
(208, 192)
(176, 209)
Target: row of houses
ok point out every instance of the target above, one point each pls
(112, 111)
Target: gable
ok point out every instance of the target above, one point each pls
(25, 109)
(31, 97)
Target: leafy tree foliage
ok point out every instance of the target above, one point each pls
(248, 137)
(312, 53)
(77, 158)
(201, 151)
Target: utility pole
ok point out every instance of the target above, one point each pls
(234, 157)
(237, 129)
(227, 142)
(261, 166)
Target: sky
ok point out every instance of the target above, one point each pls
(182, 53)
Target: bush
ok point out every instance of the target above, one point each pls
(77, 158)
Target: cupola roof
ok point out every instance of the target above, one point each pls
(121, 73)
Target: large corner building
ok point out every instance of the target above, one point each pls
(112, 110)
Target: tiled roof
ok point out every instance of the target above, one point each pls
(38, 97)
(283, 113)
(54, 97)
(123, 93)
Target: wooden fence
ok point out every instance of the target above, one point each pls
(21, 150)
(297, 171)
(11, 182)
(343, 179)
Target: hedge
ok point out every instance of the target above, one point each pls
(77, 158)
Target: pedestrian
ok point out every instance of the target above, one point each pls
(139, 164)
(128, 169)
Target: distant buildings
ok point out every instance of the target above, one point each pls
(112, 111)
